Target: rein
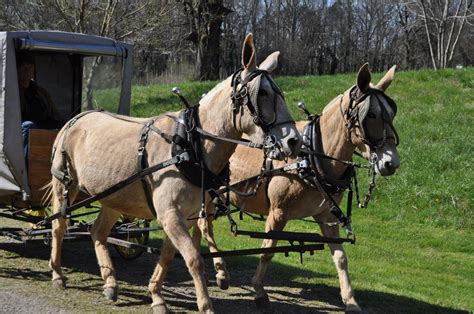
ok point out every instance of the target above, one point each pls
(206, 134)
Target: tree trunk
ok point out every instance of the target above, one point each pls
(425, 22)
(205, 18)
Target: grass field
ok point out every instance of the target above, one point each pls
(415, 242)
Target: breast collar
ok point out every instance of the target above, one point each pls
(313, 143)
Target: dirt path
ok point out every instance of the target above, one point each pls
(25, 285)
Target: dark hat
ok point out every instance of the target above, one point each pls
(24, 57)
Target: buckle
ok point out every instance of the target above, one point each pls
(184, 156)
(144, 136)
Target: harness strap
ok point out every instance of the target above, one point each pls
(142, 163)
(63, 175)
(118, 186)
(60, 175)
(243, 142)
(334, 207)
(168, 138)
(303, 164)
(345, 162)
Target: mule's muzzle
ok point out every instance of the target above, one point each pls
(387, 167)
(293, 145)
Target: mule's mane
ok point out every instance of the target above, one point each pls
(336, 100)
(217, 92)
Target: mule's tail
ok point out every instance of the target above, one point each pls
(55, 188)
(47, 199)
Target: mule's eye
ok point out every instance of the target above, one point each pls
(262, 92)
(371, 115)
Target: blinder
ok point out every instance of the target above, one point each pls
(245, 94)
(358, 109)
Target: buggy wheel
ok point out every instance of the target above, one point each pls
(129, 230)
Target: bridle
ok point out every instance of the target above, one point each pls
(244, 94)
(355, 114)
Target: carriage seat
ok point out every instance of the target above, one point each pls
(40, 147)
(39, 162)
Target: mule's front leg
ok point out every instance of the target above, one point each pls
(99, 232)
(276, 220)
(176, 229)
(222, 275)
(340, 260)
(166, 257)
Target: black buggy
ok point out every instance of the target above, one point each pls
(62, 64)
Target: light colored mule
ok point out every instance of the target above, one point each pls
(288, 197)
(101, 150)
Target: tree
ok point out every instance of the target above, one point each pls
(112, 18)
(443, 21)
(205, 19)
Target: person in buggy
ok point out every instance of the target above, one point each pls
(37, 108)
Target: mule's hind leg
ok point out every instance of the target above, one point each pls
(99, 232)
(340, 260)
(222, 275)
(167, 253)
(177, 231)
(276, 220)
(59, 227)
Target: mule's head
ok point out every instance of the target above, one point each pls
(371, 113)
(260, 107)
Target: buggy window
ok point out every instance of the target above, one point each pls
(102, 90)
(58, 75)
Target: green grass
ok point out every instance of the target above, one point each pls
(415, 241)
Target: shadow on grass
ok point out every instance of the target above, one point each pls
(286, 295)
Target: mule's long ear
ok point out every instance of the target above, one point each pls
(363, 78)
(249, 53)
(270, 63)
(385, 82)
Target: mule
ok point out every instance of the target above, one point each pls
(288, 197)
(98, 150)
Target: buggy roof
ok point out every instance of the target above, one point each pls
(69, 42)
(13, 174)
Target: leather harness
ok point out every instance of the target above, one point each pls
(187, 153)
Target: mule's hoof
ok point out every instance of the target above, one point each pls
(159, 308)
(223, 284)
(59, 283)
(262, 303)
(352, 308)
(110, 293)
